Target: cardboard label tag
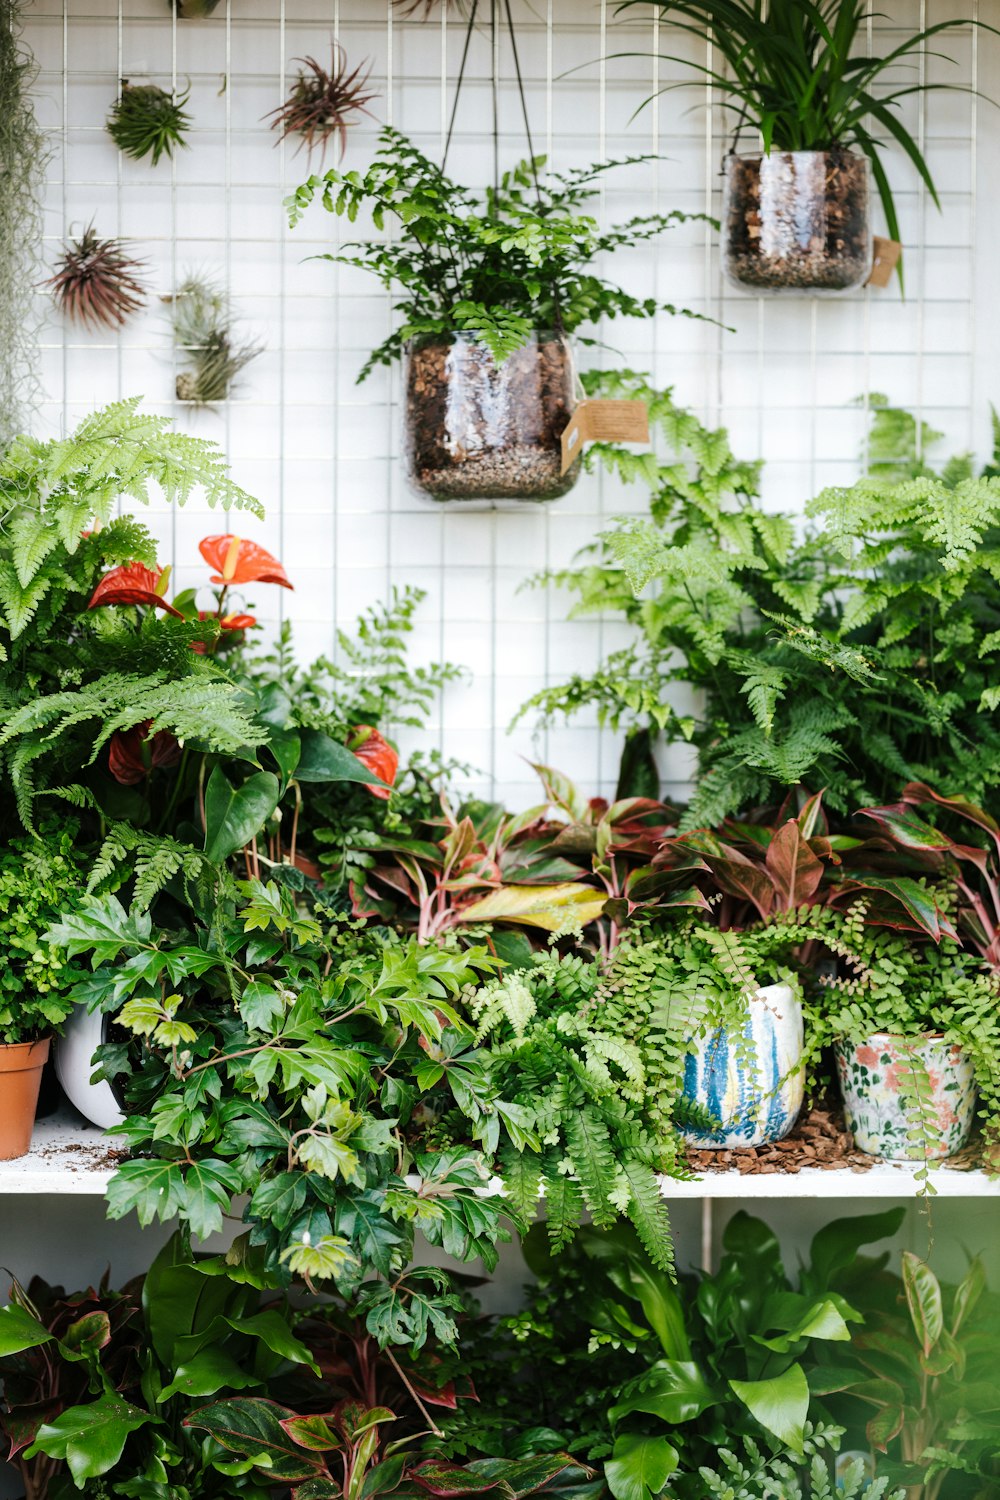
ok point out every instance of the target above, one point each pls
(887, 253)
(604, 422)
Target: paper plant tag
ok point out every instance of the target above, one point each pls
(604, 422)
(887, 253)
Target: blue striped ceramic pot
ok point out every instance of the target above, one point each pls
(757, 1097)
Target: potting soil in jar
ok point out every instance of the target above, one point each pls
(797, 220)
(479, 430)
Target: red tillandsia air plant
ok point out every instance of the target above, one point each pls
(133, 754)
(375, 752)
(321, 104)
(95, 282)
(134, 583)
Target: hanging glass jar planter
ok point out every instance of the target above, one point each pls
(797, 221)
(477, 429)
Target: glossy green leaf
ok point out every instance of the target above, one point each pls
(923, 1298)
(673, 1390)
(90, 1438)
(20, 1331)
(236, 814)
(780, 1404)
(325, 759)
(250, 1425)
(639, 1467)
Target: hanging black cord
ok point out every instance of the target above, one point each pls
(495, 75)
(458, 82)
(524, 102)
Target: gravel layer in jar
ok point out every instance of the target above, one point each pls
(476, 430)
(797, 220)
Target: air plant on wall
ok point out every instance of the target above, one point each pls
(23, 153)
(322, 104)
(95, 282)
(147, 121)
(192, 10)
(203, 333)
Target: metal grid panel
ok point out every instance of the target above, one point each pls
(323, 453)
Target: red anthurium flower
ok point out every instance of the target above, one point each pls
(132, 755)
(375, 752)
(134, 583)
(237, 560)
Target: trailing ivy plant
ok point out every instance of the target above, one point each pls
(860, 657)
(500, 264)
(24, 153)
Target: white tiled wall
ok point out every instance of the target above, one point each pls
(323, 454)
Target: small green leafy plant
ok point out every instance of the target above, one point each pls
(499, 265)
(40, 878)
(147, 121)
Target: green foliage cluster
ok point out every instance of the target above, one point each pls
(40, 878)
(722, 1360)
(799, 73)
(499, 265)
(853, 659)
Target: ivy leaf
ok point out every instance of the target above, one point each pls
(152, 1189)
(209, 1187)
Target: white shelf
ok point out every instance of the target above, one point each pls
(883, 1180)
(68, 1157)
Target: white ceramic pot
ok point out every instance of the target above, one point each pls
(878, 1104)
(73, 1057)
(753, 1104)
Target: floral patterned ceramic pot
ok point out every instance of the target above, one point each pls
(873, 1083)
(754, 1092)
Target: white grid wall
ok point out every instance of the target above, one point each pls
(324, 455)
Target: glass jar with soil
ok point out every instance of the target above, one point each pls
(477, 429)
(797, 221)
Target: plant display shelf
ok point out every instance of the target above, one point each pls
(70, 1158)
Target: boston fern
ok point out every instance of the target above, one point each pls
(71, 677)
(499, 264)
(855, 659)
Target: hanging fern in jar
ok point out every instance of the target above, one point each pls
(24, 153)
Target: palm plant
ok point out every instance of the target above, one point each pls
(800, 72)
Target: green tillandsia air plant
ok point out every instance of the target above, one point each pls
(148, 121)
(24, 153)
(204, 335)
(799, 73)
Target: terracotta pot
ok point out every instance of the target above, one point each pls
(20, 1076)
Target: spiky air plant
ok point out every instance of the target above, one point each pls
(147, 121)
(95, 282)
(24, 153)
(202, 316)
(322, 104)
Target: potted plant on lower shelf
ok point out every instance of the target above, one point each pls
(40, 878)
(492, 287)
(795, 214)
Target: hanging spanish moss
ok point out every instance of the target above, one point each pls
(95, 282)
(24, 153)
